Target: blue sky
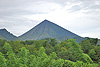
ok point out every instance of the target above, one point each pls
(79, 16)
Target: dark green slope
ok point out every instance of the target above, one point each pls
(47, 29)
(4, 34)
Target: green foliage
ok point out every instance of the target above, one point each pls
(73, 43)
(63, 55)
(11, 61)
(81, 64)
(23, 55)
(25, 59)
(42, 53)
(69, 63)
(91, 49)
(93, 41)
(53, 42)
(86, 45)
(92, 54)
(57, 48)
(85, 58)
(74, 54)
(7, 47)
(2, 60)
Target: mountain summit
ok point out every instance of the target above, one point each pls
(48, 29)
(4, 34)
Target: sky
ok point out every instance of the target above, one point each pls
(81, 17)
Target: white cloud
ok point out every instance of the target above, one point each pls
(78, 16)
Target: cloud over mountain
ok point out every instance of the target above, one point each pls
(19, 15)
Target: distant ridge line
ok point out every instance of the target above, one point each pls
(48, 29)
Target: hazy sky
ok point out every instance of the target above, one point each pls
(78, 16)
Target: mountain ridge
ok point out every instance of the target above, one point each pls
(48, 29)
(45, 29)
(4, 34)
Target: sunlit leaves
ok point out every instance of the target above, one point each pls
(2, 60)
(42, 54)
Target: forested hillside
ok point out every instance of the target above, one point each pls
(49, 53)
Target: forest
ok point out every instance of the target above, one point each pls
(49, 52)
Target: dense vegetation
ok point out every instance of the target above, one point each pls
(49, 53)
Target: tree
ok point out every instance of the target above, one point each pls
(57, 48)
(85, 58)
(81, 64)
(69, 63)
(63, 55)
(2, 60)
(53, 42)
(23, 55)
(86, 46)
(92, 54)
(10, 55)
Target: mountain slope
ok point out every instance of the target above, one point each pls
(4, 34)
(47, 29)
(1, 37)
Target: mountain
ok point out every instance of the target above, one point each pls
(4, 34)
(1, 37)
(98, 42)
(48, 29)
